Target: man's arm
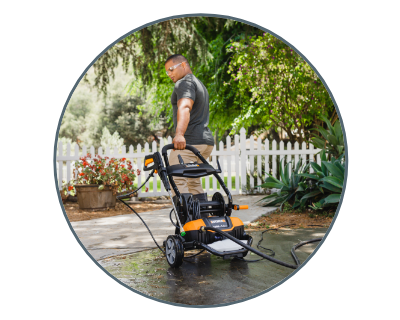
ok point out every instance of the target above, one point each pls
(184, 107)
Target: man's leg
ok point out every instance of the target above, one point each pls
(194, 184)
(187, 156)
(189, 185)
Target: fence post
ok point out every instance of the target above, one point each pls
(289, 156)
(221, 159)
(296, 156)
(282, 156)
(237, 170)
(251, 163)
(243, 160)
(68, 179)
(131, 158)
(76, 155)
(228, 163)
(266, 143)
(274, 159)
(139, 166)
(146, 152)
(60, 164)
(304, 156)
(311, 156)
(259, 164)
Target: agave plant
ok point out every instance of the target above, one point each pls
(329, 178)
(291, 185)
(333, 140)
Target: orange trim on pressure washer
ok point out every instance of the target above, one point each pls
(236, 221)
(194, 225)
(148, 161)
(236, 207)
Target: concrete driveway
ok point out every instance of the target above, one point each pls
(125, 234)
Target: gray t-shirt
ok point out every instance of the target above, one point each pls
(197, 131)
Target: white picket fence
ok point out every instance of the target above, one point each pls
(237, 161)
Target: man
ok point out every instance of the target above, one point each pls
(191, 115)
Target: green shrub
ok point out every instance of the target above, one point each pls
(329, 179)
(292, 187)
(333, 141)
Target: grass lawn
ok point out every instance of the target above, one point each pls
(203, 183)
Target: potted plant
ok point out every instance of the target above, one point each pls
(99, 179)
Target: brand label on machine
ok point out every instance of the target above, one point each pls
(191, 165)
(219, 223)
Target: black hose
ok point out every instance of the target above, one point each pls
(270, 258)
(170, 218)
(144, 224)
(300, 244)
(193, 255)
(262, 254)
(124, 195)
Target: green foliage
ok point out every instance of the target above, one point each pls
(88, 113)
(146, 50)
(333, 141)
(212, 71)
(328, 179)
(282, 88)
(80, 120)
(292, 187)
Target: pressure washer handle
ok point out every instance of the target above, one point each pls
(164, 178)
(171, 146)
(158, 167)
(149, 160)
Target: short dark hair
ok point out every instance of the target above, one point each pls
(177, 58)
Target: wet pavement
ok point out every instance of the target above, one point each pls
(126, 234)
(207, 279)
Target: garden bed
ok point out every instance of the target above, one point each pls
(295, 219)
(76, 214)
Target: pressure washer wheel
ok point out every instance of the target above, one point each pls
(174, 251)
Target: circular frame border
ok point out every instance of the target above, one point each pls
(214, 16)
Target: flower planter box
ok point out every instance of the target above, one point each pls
(90, 197)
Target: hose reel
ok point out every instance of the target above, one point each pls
(222, 207)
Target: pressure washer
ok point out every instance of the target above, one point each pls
(202, 224)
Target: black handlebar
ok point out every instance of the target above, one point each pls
(171, 146)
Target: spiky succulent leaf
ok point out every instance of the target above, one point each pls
(332, 198)
(330, 187)
(333, 180)
(311, 194)
(315, 166)
(334, 170)
(338, 130)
